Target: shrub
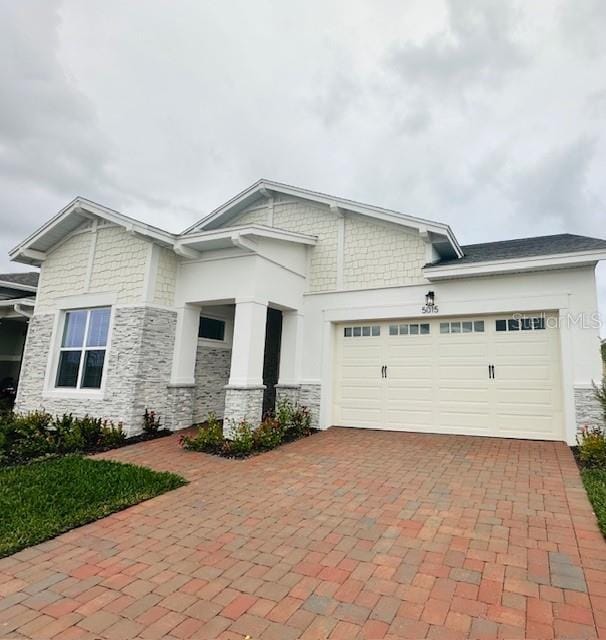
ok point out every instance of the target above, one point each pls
(68, 439)
(26, 436)
(295, 420)
(33, 435)
(112, 435)
(209, 437)
(269, 434)
(151, 422)
(242, 439)
(89, 429)
(600, 394)
(592, 447)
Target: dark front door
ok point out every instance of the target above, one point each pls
(271, 360)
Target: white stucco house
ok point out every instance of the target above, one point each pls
(370, 317)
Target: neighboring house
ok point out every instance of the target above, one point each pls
(17, 297)
(370, 317)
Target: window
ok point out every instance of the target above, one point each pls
(520, 324)
(83, 346)
(408, 329)
(211, 329)
(468, 326)
(366, 331)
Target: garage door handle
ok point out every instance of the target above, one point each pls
(386, 371)
(492, 365)
(383, 371)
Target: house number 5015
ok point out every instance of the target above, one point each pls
(430, 309)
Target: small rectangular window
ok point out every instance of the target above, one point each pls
(455, 327)
(403, 329)
(414, 329)
(211, 329)
(82, 350)
(513, 324)
(347, 332)
(538, 323)
(424, 329)
(444, 327)
(357, 331)
(376, 330)
(393, 329)
(467, 327)
(501, 325)
(478, 326)
(526, 324)
(366, 331)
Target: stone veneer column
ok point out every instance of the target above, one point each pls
(244, 393)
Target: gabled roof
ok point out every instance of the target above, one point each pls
(562, 243)
(442, 236)
(21, 281)
(80, 210)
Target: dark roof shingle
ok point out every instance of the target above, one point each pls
(525, 248)
(29, 279)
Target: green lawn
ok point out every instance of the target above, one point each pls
(595, 484)
(40, 500)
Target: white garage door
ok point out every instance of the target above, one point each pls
(491, 376)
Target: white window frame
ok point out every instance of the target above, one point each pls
(51, 390)
(227, 341)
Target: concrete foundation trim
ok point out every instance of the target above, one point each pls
(242, 403)
(588, 410)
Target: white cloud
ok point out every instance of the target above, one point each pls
(487, 114)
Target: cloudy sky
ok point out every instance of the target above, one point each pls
(489, 115)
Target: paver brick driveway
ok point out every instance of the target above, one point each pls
(347, 534)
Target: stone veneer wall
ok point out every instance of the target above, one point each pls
(288, 392)
(310, 396)
(242, 403)
(306, 395)
(180, 407)
(588, 410)
(137, 370)
(211, 375)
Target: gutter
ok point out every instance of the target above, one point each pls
(19, 308)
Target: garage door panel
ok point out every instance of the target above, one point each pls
(397, 374)
(410, 393)
(515, 426)
(363, 373)
(467, 350)
(519, 373)
(395, 418)
(529, 395)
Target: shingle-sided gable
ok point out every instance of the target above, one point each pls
(374, 253)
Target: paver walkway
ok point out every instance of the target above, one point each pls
(347, 534)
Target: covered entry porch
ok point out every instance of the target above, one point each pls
(239, 324)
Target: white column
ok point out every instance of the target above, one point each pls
(248, 344)
(186, 345)
(291, 350)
